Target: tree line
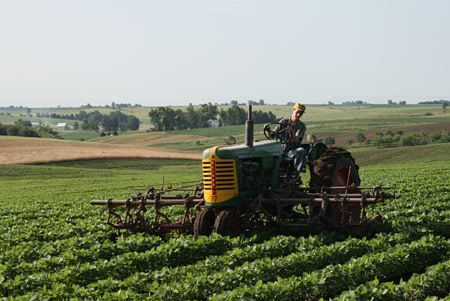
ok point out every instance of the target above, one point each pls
(114, 121)
(390, 138)
(23, 128)
(167, 119)
(235, 115)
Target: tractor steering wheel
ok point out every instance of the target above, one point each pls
(283, 134)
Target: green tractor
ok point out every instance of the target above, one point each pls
(252, 186)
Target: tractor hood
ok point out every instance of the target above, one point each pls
(242, 151)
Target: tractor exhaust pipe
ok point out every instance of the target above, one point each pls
(249, 128)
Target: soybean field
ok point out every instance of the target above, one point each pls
(53, 243)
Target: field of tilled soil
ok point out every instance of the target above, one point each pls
(19, 150)
(53, 246)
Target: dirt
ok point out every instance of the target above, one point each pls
(148, 139)
(31, 150)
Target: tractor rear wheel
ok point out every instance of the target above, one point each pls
(336, 167)
(204, 222)
(228, 223)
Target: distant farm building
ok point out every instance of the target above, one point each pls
(34, 125)
(62, 126)
(214, 123)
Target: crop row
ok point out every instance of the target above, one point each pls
(400, 260)
(73, 269)
(434, 282)
(198, 284)
(275, 247)
(83, 266)
(264, 270)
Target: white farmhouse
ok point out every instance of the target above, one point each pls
(62, 126)
(34, 125)
(214, 123)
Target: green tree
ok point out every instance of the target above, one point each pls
(13, 130)
(25, 123)
(444, 106)
(133, 123)
(263, 117)
(191, 117)
(360, 137)
(25, 131)
(3, 129)
(233, 116)
(205, 113)
(163, 118)
(387, 140)
(85, 126)
(377, 140)
(76, 126)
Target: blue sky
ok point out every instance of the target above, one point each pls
(171, 52)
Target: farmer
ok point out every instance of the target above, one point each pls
(297, 129)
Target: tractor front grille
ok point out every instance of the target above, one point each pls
(219, 175)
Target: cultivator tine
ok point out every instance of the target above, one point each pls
(134, 218)
(348, 180)
(363, 206)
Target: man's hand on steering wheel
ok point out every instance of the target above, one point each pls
(284, 132)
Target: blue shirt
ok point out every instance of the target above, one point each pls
(298, 129)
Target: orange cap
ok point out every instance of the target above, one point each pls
(299, 106)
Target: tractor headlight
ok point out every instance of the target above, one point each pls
(311, 139)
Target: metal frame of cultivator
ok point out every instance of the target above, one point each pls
(327, 209)
(330, 210)
(135, 208)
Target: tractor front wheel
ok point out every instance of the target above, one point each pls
(204, 222)
(228, 223)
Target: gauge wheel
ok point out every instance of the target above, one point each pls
(228, 223)
(204, 222)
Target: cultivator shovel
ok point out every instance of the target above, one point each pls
(154, 199)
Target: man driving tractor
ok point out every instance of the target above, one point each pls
(295, 129)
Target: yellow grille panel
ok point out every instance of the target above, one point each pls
(219, 178)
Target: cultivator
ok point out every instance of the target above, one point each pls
(134, 217)
(342, 209)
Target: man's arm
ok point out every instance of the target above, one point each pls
(299, 134)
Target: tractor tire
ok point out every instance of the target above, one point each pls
(336, 167)
(204, 222)
(332, 168)
(228, 223)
